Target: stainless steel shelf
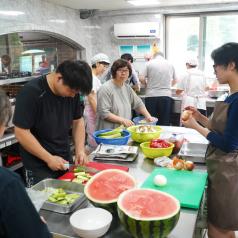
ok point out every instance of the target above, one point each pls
(16, 80)
(16, 166)
(7, 140)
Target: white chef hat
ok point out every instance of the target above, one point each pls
(100, 58)
(192, 60)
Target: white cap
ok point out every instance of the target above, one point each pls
(100, 58)
(192, 61)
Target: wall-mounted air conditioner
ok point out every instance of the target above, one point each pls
(138, 30)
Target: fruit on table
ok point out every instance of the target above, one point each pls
(158, 143)
(186, 115)
(104, 188)
(148, 213)
(115, 133)
(160, 180)
(181, 164)
(81, 177)
(145, 129)
(189, 165)
(59, 196)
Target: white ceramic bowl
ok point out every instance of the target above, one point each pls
(91, 222)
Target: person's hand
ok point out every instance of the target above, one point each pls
(127, 123)
(195, 113)
(56, 163)
(150, 119)
(190, 122)
(81, 158)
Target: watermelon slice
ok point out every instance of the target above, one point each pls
(148, 213)
(104, 188)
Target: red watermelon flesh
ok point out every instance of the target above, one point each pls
(148, 204)
(109, 185)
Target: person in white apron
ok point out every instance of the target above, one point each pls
(192, 87)
(100, 63)
(221, 130)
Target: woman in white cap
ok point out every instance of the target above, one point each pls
(99, 63)
(192, 86)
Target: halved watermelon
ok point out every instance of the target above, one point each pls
(104, 188)
(147, 213)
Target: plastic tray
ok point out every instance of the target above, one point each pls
(69, 187)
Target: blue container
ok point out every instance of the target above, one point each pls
(114, 141)
(137, 121)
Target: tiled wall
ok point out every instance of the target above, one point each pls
(38, 16)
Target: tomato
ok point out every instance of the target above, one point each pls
(158, 143)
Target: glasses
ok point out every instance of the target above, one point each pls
(123, 70)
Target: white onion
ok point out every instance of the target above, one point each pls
(160, 180)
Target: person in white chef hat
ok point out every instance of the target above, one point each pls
(99, 64)
(192, 86)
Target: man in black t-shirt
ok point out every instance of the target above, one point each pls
(45, 110)
(18, 216)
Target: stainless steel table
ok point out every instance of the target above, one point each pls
(59, 224)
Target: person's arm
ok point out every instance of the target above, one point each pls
(18, 215)
(142, 110)
(119, 120)
(198, 116)
(192, 123)
(32, 145)
(78, 132)
(92, 99)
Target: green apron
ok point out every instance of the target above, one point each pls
(222, 177)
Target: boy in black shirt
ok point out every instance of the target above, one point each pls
(18, 216)
(46, 108)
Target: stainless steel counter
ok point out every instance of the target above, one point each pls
(59, 224)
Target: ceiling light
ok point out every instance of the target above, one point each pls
(11, 13)
(57, 21)
(143, 2)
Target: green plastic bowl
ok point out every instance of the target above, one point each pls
(152, 153)
(144, 136)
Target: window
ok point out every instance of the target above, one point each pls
(200, 35)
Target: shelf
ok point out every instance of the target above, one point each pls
(16, 166)
(16, 80)
(7, 140)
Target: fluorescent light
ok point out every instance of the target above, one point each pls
(143, 2)
(11, 13)
(33, 51)
(57, 21)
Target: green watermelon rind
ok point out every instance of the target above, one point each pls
(110, 205)
(154, 228)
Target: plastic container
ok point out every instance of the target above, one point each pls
(155, 152)
(114, 141)
(141, 121)
(144, 136)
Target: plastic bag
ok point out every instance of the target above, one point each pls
(38, 197)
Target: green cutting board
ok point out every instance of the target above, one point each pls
(186, 186)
